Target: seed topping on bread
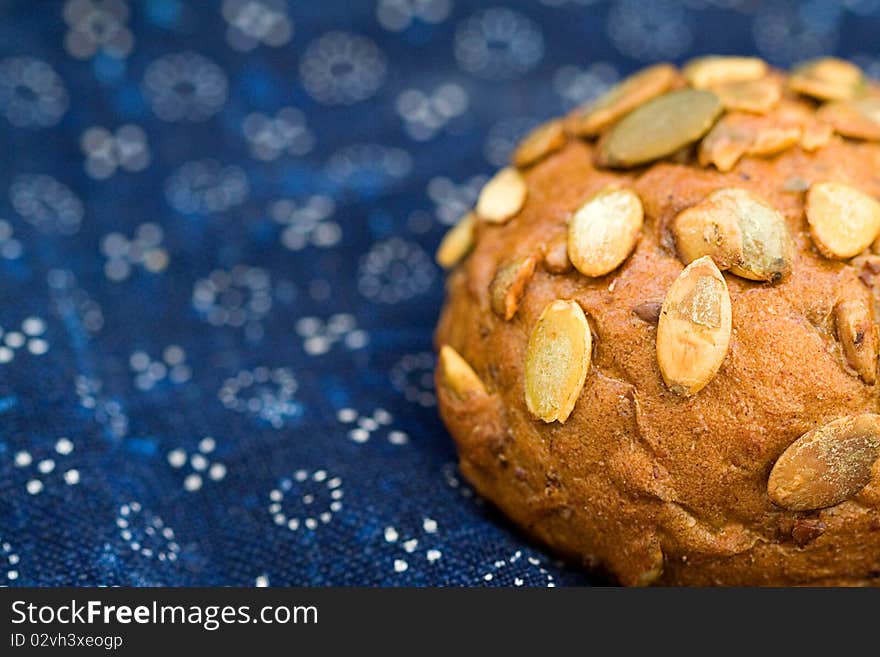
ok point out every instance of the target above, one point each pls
(827, 465)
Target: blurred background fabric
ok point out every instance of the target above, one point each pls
(217, 226)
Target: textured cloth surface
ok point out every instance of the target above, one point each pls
(217, 223)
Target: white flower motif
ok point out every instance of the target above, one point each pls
(41, 465)
(32, 95)
(789, 32)
(271, 136)
(395, 270)
(368, 168)
(46, 203)
(106, 151)
(198, 463)
(577, 86)
(144, 250)
(186, 87)
(97, 26)
(364, 426)
(305, 500)
(340, 68)
(240, 297)
(413, 375)
(10, 248)
(453, 200)
(412, 544)
(108, 412)
(70, 302)
(206, 186)
(252, 22)
(498, 43)
(264, 392)
(306, 223)
(398, 15)
(649, 29)
(146, 533)
(30, 336)
(319, 336)
(171, 365)
(426, 113)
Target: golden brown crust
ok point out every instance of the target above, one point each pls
(649, 485)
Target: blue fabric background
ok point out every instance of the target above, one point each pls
(217, 224)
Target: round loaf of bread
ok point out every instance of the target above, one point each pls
(658, 352)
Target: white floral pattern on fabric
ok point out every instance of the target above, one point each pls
(43, 467)
(252, 22)
(649, 29)
(305, 500)
(186, 87)
(269, 394)
(340, 68)
(107, 151)
(269, 137)
(146, 533)
(199, 464)
(144, 249)
(307, 222)
(206, 186)
(364, 426)
(46, 203)
(97, 26)
(498, 43)
(398, 15)
(31, 93)
(395, 270)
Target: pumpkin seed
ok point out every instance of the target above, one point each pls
(621, 99)
(557, 361)
(604, 231)
(693, 333)
(843, 220)
(827, 465)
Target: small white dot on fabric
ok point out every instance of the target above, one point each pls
(177, 458)
(23, 459)
(71, 477)
(33, 326)
(400, 565)
(217, 471)
(398, 438)
(192, 482)
(359, 435)
(429, 525)
(390, 534)
(262, 581)
(34, 486)
(433, 555)
(37, 347)
(63, 446)
(46, 466)
(346, 415)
